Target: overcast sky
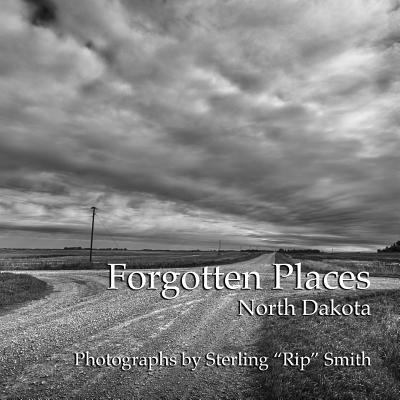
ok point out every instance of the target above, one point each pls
(258, 123)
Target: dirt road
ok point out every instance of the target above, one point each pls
(38, 341)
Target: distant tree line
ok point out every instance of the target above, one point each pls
(298, 251)
(88, 248)
(253, 251)
(395, 247)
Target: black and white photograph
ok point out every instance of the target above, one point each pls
(199, 199)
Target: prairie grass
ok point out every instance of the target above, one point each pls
(17, 288)
(377, 335)
(377, 264)
(49, 259)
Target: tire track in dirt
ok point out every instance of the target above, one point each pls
(37, 351)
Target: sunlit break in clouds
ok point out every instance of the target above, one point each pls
(258, 123)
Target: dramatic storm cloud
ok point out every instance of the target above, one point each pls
(258, 123)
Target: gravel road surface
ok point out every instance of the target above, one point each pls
(39, 340)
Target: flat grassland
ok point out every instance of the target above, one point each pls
(57, 259)
(377, 264)
(18, 288)
(378, 336)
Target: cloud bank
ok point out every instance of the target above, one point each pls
(269, 124)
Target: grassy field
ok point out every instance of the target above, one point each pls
(49, 259)
(18, 288)
(377, 335)
(359, 256)
(377, 264)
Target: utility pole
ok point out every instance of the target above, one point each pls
(91, 236)
(219, 247)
